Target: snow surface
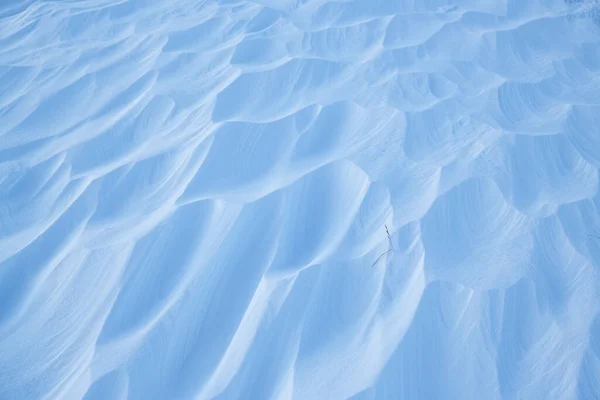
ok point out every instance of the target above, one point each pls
(193, 194)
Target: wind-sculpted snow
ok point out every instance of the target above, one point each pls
(196, 195)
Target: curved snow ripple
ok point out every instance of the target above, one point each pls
(194, 197)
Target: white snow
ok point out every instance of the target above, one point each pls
(194, 195)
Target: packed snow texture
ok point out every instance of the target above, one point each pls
(194, 195)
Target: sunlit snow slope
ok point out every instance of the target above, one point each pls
(194, 195)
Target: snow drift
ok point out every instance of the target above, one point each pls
(194, 194)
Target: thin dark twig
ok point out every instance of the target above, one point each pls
(594, 236)
(389, 237)
(379, 258)
(388, 250)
